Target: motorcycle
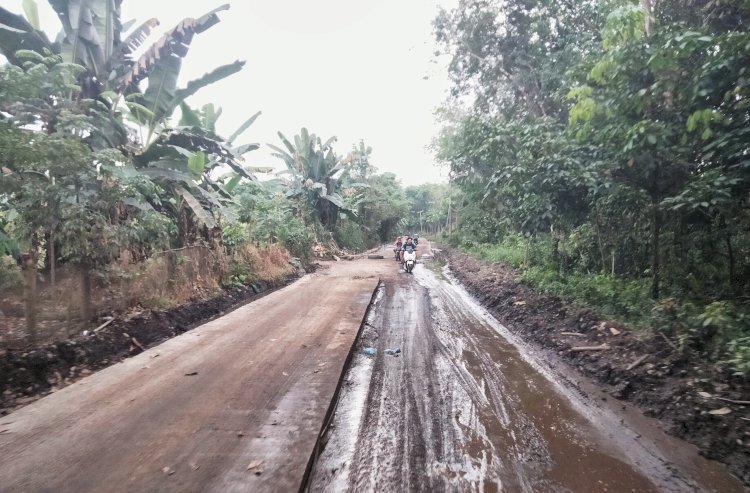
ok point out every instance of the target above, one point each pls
(410, 260)
(396, 252)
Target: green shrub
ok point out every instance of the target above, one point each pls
(719, 331)
(298, 240)
(739, 356)
(620, 299)
(10, 274)
(234, 236)
(350, 235)
(511, 250)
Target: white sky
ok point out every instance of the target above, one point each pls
(350, 68)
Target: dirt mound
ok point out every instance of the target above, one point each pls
(695, 401)
(28, 375)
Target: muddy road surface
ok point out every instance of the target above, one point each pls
(238, 405)
(452, 402)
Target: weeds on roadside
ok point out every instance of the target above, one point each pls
(718, 331)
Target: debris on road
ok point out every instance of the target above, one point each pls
(720, 412)
(167, 470)
(614, 331)
(191, 373)
(572, 334)
(600, 347)
(111, 319)
(637, 362)
(370, 351)
(256, 466)
(706, 395)
(393, 352)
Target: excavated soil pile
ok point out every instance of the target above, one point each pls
(696, 401)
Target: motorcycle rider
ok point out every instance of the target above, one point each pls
(408, 246)
(397, 247)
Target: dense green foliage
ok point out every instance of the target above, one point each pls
(607, 153)
(94, 166)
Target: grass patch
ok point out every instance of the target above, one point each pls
(620, 299)
(718, 331)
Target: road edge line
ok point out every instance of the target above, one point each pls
(331, 411)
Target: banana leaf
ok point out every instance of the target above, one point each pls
(91, 29)
(243, 127)
(163, 59)
(200, 213)
(17, 34)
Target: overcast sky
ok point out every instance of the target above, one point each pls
(350, 68)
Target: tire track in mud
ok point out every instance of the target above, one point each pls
(462, 409)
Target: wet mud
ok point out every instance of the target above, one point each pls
(667, 384)
(466, 406)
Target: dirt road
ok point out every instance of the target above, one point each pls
(193, 413)
(237, 404)
(466, 407)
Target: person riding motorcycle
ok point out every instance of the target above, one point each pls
(409, 246)
(397, 247)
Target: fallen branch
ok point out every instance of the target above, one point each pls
(104, 324)
(637, 362)
(135, 341)
(600, 347)
(572, 334)
(742, 403)
(668, 341)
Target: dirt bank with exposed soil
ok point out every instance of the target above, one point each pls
(27, 375)
(695, 401)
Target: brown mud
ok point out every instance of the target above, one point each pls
(27, 375)
(666, 384)
(465, 405)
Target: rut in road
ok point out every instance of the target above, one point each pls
(462, 409)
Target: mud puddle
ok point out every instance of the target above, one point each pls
(466, 407)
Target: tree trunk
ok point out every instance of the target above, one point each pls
(733, 285)
(600, 241)
(51, 253)
(648, 7)
(85, 293)
(655, 264)
(556, 253)
(29, 293)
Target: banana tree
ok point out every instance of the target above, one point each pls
(187, 163)
(92, 38)
(315, 172)
(110, 86)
